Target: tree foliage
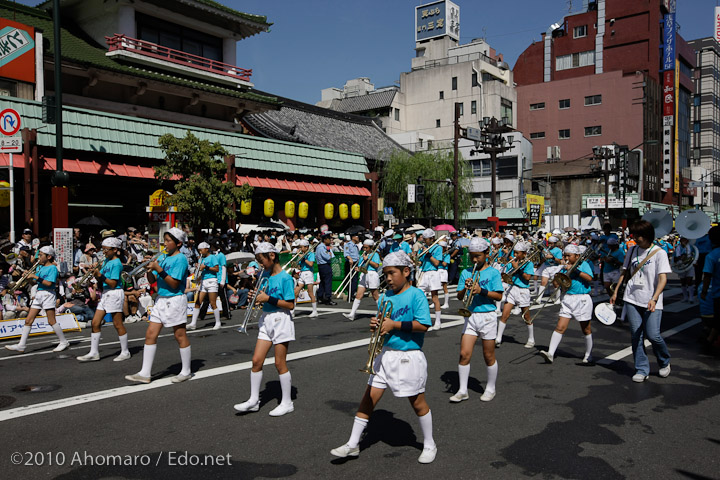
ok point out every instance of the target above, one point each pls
(404, 168)
(198, 171)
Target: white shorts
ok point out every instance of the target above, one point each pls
(209, 285)
(111, 301)
(520, 297)
(550, 271)
(430, 281)
(579, 307)
(370, 280)
(306, 277)
(483, 325)
(44, 300)
(443, 275)
(276, 327)
(611, 277)
(405, 372)
(170, 311)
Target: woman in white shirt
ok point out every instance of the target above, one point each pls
(644, 299)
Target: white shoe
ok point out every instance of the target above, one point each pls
(281, 410)
(131, 319)
(639, 378)
(538, 300)
(516, 311)
(61, 346)
(217, 326)
(445, 307)
(345, 451)
(487, 396)
(665, 371)
(247, 406)
(15, 348)
(180, 378)
(88, 358)
(349, 317)
(191, 326)
(313, 315)
(529, 344)
(427, 455)
(497, 344)
(548, 358)
(137, 378)
(459, 397)
(588, 359)
(122, 357)
(437, 326)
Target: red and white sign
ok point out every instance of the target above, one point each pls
(9, 122)
(669, 93)
(716, 24)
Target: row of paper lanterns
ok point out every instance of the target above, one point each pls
(329, 210)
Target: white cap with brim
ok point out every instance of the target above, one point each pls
(429, 233)
(203, 245)
(572, 248)
(368, 243)
(521, 247)
(112, 242)
(48, 250)
(178, 234)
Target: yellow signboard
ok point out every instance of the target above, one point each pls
(535, 209)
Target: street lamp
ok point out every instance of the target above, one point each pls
(492, 142)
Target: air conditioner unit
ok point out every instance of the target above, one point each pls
(503, 204)
(549, 154)
(477, 203)
(556, 153)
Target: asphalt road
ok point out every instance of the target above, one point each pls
(62, 419)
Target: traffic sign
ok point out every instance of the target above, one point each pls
(11, 145)
(696, 184)
(9, 122)
(411, 193)
(473, 134)
(388, 210)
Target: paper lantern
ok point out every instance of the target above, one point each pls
(355, 211)
(303, 210)
(289, 209)
(329, 211)
(269, 207)
(246, 207)
(4, 195)
(343, 211)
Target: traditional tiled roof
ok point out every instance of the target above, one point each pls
(77, 49)
(364, 103)
(304, 123)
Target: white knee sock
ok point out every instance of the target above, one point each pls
(358, 428)
(588, 344)
(216, 312)
(286, 387)
(95, 343)
(492, 372)
(185, 359)
(554, 342)
(58, 331)
(356, 305)
(531, 334)
(196, 314)
(24, 336)
(541, 291)
(123, 343)
(255, 381)
(148, 359)
(501, 329)
(464, 374)
(426, 427)
(447, 297)
(437, 319)
(314, 305)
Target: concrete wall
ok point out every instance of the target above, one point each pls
(566, 193)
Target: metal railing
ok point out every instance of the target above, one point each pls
(153, 50)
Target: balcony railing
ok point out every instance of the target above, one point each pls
(120, 42)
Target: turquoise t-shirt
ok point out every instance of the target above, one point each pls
(309, 257)
(712, 266)
(489, 280)
(407, 306)
(405, 247)
(436, 253)
(209, 262)
(176, 266)
(557, 256)
(222, 261)
(49, 273)
(112, 270)
(579, 286)
(518, 279)
(446, 259)
(617, 254)
(280, 286)
(375, 259)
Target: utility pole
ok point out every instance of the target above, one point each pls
(604, 154)
(60, 178)
(492, 142)
(456, 201)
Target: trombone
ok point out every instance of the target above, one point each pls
(468, 295)
(377, 339)
(253, 310)
(80, 283)
(25, 278)
(364, 262)
(530, 257)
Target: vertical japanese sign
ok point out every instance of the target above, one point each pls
(670, 168)
(63, 244)
(17, 51)
(676, 186)
(535, 209)
(716, 24)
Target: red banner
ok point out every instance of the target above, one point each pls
(669, 93)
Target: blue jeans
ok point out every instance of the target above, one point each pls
(83, 313)
(644, 323)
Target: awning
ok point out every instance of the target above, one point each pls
(314, 187)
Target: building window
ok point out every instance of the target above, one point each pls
(696, 100)
(506, 110)
(536, 135)
(575, 60)
(592, 131)
(397, 114)
(161, 32)
(564, 103)
(593, 100)
(564, 134)
(696, 127)
(437, 123)
(462, 109)
(580, 31)
(442, 94)
(537, 106)
(474, 80)
(454, 83)
(473, 107)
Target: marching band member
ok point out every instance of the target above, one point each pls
(687, 281)
(401, 365)
(576, 303)
(46, 276)
(643, 298)
(307, 277)
(711, 280)
(483, 321)
(275, 328)
(170, 309)
(209, 267)
(496, 253)
(443, 272)
(369, 280)
(549, 267)
(612, 263)
(222, 277)
(518, 293)
(430, 281)
(111, 302)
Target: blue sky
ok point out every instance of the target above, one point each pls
(322, 43)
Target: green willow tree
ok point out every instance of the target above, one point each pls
(197, 170)
(404, 168)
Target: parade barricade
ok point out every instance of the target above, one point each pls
(13, 328)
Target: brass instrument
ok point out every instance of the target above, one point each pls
(468, 295)
(377, 339)
(24, 280)
(512, 247)
(81, 282)
(418, 259)
(364, 267)
(252, 313)
(531, 256)
(139, 271)
(563, 279)
(296, 261)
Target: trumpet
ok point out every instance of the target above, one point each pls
(468, 295)
(25, 278)
(530, 257)
(140, 269)
(377, 339)
(252, 312)
(80, 283)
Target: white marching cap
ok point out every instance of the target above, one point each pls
(429, 233)
(397, 259)
(265, 247)
(553, 239)
(509, 238)
(48, 250)
(368, 242)
(112, 242)
(477, 245)
(178, 234)
(496, 240)
(202, 245)
(521, 247)
(389, 233)
(572, 248)
(303, 243)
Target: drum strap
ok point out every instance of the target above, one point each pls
(641, 264)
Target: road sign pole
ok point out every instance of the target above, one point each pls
(11, 177)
